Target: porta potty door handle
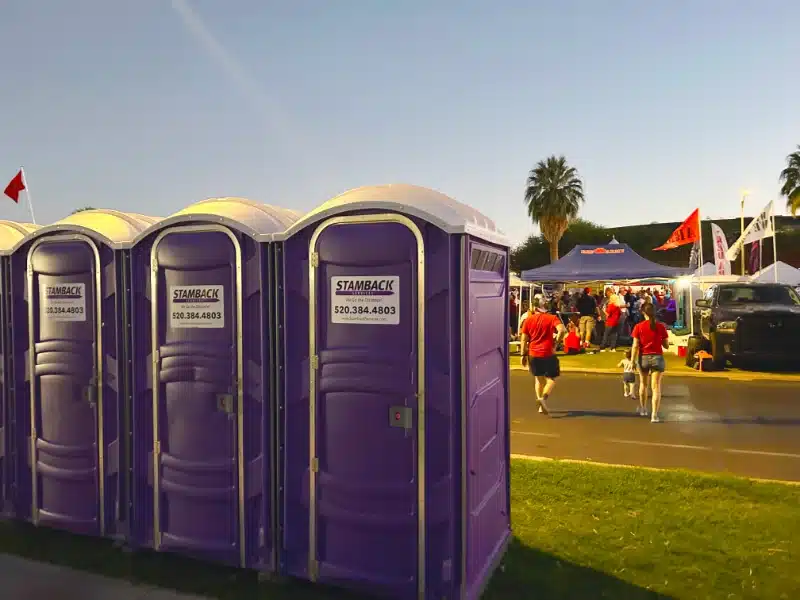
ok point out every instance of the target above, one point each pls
(225, 404)
(90, 392)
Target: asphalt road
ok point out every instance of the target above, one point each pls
(715, 425)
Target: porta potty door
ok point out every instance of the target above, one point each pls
(365, 282)
(66, 397)
(195, 281)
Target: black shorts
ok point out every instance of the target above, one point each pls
(544, 367)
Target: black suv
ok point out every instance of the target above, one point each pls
(750, 320)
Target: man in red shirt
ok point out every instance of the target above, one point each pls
(538, 343)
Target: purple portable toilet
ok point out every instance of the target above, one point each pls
(203, 475)
(397, 389)
(67, 297)
(11, 236)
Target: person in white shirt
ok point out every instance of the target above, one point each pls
(629, 379)
(523, 315)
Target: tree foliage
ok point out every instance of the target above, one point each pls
(643, 238)
(77, 210)
(790, 180)
(553, 196)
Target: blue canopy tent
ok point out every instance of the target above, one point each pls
(611, 262)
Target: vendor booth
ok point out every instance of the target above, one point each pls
(598, 267)
(611, 262)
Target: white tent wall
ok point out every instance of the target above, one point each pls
(787, 274)
(706, 270)
(516, 284)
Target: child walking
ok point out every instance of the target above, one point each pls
(629, 380)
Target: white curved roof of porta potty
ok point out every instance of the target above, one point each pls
(113, 227)
(12, 234)
(426, 204)
(259, 221)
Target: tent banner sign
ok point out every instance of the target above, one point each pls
(365, 300)
(604, 251)
(197, 306)
(63, 302)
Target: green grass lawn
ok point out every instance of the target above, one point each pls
(582, 532)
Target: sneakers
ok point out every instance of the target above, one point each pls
(655, 419)
(542, 407)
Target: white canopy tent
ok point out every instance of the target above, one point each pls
(515, 283)
(787, 274)
(706, 270)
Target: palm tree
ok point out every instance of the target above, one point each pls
(554, 195)
(790, 178)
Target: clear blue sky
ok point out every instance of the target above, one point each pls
(146, 106)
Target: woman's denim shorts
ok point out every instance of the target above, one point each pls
(652, 362)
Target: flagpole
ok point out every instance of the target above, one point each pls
(774, 246)
(700, 230)
(28, 193)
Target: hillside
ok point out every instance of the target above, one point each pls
(643, 238)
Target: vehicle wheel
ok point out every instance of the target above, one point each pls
(717, 353)
(693, 346)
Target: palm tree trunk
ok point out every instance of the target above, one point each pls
(553, 251)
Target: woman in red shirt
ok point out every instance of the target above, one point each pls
(613, 315)
(649, 342)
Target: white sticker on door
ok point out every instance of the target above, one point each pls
(63, 302)
(197, 306)
(360, 300)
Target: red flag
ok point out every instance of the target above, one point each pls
(15, 186)
(687, 233)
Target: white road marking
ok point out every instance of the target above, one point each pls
(761, 453)
(675, 446)
(550, 435)
(657, 444)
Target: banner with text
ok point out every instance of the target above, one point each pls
(759, 228)
(687, 233)
(721, 262)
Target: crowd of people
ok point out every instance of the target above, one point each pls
(600, 319)
(576, 321)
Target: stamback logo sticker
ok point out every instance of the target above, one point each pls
(365, 300)
(197, 306)
(63, 302)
